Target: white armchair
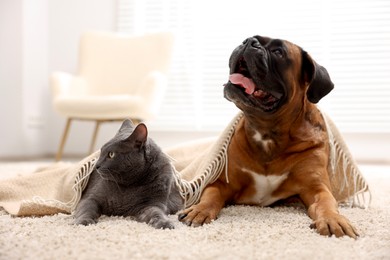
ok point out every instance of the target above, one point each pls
(120, 76)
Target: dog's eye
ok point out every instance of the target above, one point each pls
(111, 155)
(278, 52)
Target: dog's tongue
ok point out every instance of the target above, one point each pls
(241, 80)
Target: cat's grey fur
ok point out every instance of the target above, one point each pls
(132, 177)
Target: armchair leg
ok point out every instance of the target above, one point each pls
(94, 136)
(63, 140)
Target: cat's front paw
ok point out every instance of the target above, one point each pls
(85, 221)
(161, 223)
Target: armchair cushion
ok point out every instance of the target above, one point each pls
(101, 107)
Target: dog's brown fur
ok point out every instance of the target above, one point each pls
(289, 143)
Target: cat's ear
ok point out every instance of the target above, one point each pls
(126, 125)
(139, 135)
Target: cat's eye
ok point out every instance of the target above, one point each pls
(111, 155)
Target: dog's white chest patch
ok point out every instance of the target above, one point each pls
(265, 185)
(258, 137)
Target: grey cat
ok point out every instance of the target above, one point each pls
(132, 177)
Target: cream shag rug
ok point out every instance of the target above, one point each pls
(241, 232)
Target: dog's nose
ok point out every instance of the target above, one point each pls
(252, 42)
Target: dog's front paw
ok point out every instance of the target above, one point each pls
(337, 225)
(197, 215)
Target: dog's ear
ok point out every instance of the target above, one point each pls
(318, 78)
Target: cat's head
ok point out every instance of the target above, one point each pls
(125, 157)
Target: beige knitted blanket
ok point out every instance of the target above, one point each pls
(58, 189)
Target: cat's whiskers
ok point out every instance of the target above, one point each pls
(103, 175)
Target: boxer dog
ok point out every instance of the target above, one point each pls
(280, 148)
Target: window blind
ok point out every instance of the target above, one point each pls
(350, 38)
